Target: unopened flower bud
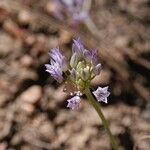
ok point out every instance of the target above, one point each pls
(74, 60)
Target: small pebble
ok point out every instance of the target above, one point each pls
(32, 95)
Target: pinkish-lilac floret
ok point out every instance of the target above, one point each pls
(101, 94)
(55, 71)
(57, 66)
(74, 102)
(77, 47)
(75, 9)
(91, 55)
(59, 58)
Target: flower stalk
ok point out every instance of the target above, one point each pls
(77, 75)
(97, 107)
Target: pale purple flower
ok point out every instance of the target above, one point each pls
(91, 55)
(77, 52)
(55, 71)
(77, 47)
(57, 66)
(74, 9)
(74, 102)
(101, 94)
(59, 58)
(56, 55)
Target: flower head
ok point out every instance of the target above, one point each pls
(84, 66)
(101, 94)
(74, 102)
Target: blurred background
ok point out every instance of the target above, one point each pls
(33, 113)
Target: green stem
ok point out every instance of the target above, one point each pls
(97, 107)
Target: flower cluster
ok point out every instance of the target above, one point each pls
(73, 8)
(77, 74)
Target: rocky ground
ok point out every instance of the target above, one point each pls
(33, 113)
